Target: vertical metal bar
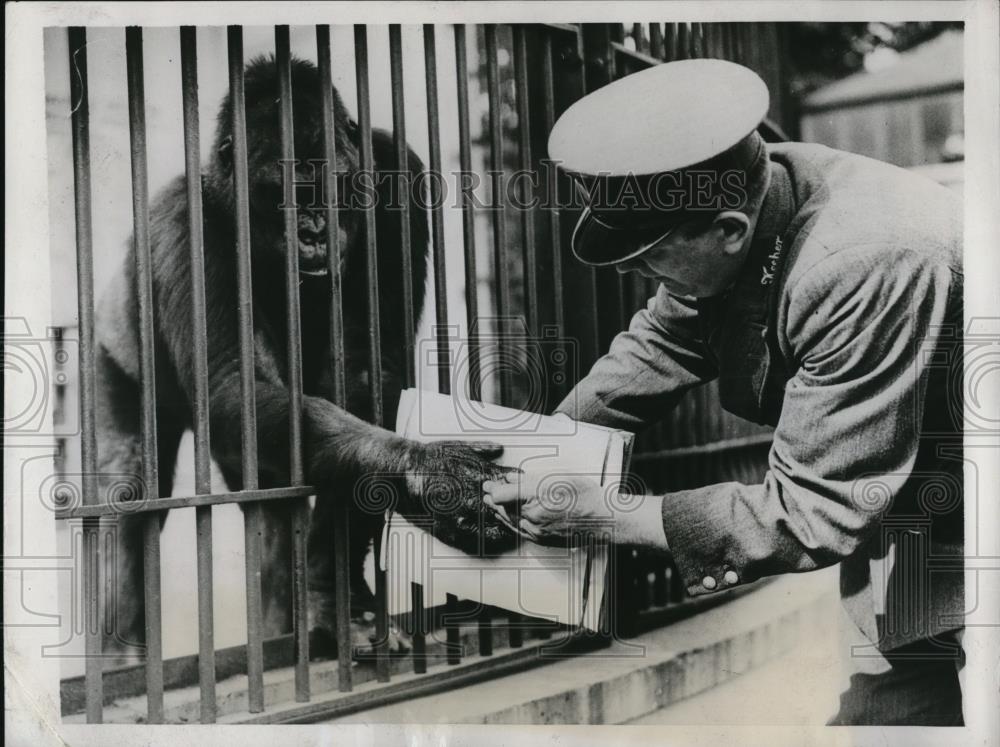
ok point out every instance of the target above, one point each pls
(341, 526)
(555, 228)
(639, 37)
(147, 371)
(402, 196)
(419, 629)
(485, 625)
(202, 466)
(530, 258)
(588, 82)
(670, 42)
(656, 40)
(528, 220)
(440, 287)
(437, 216)
(453, 642)
(93, 607)
(299, 508)
(500, 265)
(730, 38)
(724, 41)
(607, 316)
(500, 259)
(697, 40)
(468, 215)
(719, 34)
(374, 327)
(706, 39)
(252, 514)
(683, 49)
(368, 166)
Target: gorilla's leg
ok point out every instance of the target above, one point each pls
(276, 566)
(362, 526)
(118, 404)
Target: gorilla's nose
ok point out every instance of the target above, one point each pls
(311, 237)
(312, 226)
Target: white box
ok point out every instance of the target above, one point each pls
(561, 584)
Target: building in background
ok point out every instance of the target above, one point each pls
(909, 112)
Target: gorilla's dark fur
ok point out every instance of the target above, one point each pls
(339, 446)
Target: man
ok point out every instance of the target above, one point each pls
(824, 290)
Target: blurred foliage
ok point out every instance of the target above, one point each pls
(823, 52)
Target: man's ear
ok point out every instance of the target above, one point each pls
(734, 226)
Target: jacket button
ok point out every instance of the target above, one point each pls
(731, 577)
(708, 582)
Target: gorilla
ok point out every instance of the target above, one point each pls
(437, 483)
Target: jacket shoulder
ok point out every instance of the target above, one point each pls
(847, 203)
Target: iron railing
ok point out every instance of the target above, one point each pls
(553, 65)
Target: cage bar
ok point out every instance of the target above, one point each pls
(711, 34)
(500, 264)
(453, 640)
(147, 371)
(697, 451)
(419, 629)
(342, 507)
(436, 214)
(367, 166)
(468, 216)
(437, 234)
(683, 49)
(530, 264)
(656, 40)
(299, 509)
(252, 514)
(402, 192)
(93, 606)
(670, 41)
(402, 198)
(559, 387)
(500, 255)
(199, 333)
(697, 40)
(528, 217)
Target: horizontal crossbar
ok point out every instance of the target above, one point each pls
(186, 501)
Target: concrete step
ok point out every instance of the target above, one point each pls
(641, 676)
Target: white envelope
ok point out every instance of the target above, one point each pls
(561, 584)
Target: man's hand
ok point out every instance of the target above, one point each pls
(551, 508)
(554, 507)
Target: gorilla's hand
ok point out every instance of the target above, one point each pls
(444, 486)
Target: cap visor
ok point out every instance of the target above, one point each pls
(595, 243)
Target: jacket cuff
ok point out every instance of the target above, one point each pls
(695, 526)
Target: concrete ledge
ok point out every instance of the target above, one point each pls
(636, 677)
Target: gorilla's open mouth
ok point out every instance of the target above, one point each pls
(312, 258)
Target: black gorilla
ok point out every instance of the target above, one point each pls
(339, 447)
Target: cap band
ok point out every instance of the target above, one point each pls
(626, 215)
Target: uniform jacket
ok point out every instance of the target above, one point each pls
(843, 332)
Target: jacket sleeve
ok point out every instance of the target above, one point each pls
(646, 370)
(859, 325)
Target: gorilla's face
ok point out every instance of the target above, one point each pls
(267, 171)
(308, 200)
